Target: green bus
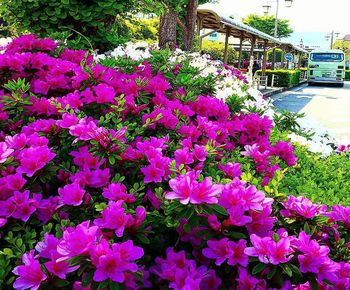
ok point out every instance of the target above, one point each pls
(326, 66)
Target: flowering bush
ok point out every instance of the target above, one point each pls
(113, 179)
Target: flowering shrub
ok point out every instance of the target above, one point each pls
(113, 180)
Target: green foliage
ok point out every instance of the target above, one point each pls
(95, 19)
(216, 50)
(279, 55)
(267, 24)
(284, 78)
(143, 29)
(288, 121)
(347, 75)
(322, 179)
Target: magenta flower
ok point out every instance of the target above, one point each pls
(183, 156)
(47, 246)
(114, 218)
(14, 182)
(30, 274)
(182, 187)
(301, 206)
(111, 266)
(33, 159)
(104, 94)
(117, 191)
(24, 206)
(75, 242)
(115, 263)
(71, 194)
(59, 269)
(260, 249)
(152, 173)
(248, 282)
(188, 190)
(200, 153)
(238, 257)
(206, 192)
(231, 169)
(218, 250)
(5, 152)
(341, 214)
(280, 252)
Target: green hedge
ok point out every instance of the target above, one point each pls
(216, 50)
(285, 78)
(347, 75)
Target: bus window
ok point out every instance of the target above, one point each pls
(327, 57)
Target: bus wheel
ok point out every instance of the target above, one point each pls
(340, 85)
(310, 83)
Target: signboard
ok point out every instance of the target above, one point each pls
(289, 57)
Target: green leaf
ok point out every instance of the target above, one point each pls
(111, 159)
(307, 228)
(258, 268)
(87, 279)
(219, 209)
(286, 269)
(272, 273)
(61, 283)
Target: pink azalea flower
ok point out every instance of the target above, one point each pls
(47, 246)
(238, 256)
(30, 274)
(75, 242)
(5, 152)
(61, 268)
(152, 173)
(115, 263)
(260, 249)
(25, 206)
(200, 153)
(33, 159)
(117, 191)
(301, 206)
(183, 156)
(206, 192)
(248, 282)
(231, 169)
(14, 182)
(280, 252)
(182, 187)
(104, 94)
(114, 218)
(188, 190)
(71, 194)
(218, 250)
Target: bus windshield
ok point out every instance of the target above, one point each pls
(327, 57)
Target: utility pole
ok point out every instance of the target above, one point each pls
(275, 34)
(275, 31)
(331, 37)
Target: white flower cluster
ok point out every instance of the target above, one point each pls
(4, 41)
(319, 142)
(135, 51)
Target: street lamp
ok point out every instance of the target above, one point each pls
(267, 7)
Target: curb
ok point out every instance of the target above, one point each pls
(281, 90)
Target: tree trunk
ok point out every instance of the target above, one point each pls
(167, 30)
(191, 17)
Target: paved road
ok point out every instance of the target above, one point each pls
(327, 105)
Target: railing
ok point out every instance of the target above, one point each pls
(260, 81)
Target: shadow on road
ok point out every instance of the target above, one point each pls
(296, 100)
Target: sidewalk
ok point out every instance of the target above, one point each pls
(275, 90)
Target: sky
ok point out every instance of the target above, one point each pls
(310, 19)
